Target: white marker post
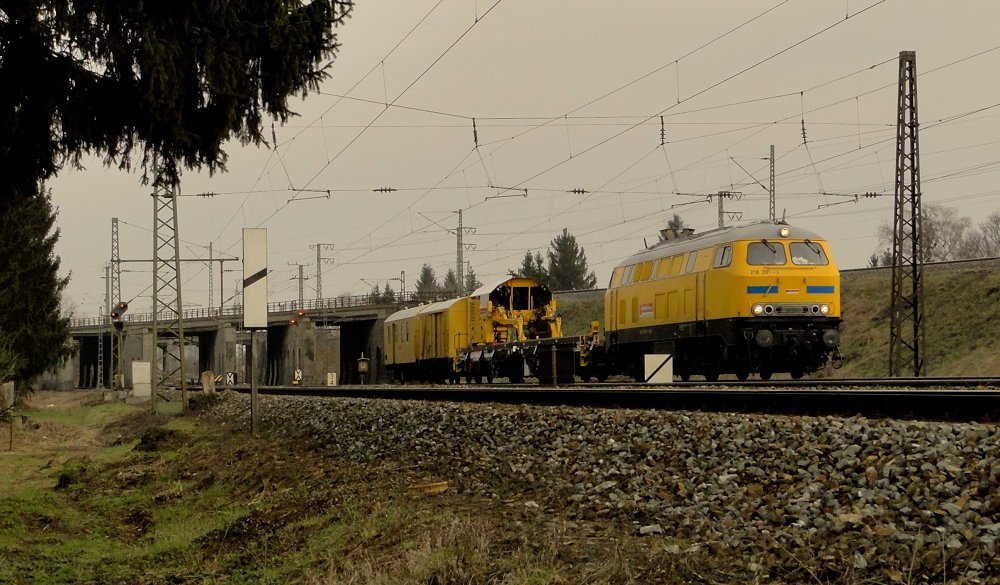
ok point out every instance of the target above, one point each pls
(254, 304)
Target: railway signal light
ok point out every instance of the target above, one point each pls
(119, 310)
(116, 315)
(298, 315)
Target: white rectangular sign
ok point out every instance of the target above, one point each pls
(659, 368)
(255, 278)
(142, 378)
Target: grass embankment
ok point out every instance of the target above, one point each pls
(960, 321)
(962, 331)
(98, 493)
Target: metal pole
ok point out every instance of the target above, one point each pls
(772, 215)
(254, 406)
(906, 344)
(319, 272)
(460, 265)
(301, 285)
(210, 279)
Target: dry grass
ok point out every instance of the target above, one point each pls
(140, 499)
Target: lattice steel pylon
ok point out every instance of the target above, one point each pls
(168, 322)
(771, 212)
(115, 295)
(907, 336)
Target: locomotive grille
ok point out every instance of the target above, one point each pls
(791, 308)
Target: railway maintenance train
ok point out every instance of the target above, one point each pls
(760, 298)
(756, 299)
(496, 331)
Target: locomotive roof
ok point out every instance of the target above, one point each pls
(435, 307)
(488, 288)
(403, 314)
(439, 306)
(754, 231)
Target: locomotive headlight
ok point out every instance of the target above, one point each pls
(757, 309)
(824, 309)
(784, 232)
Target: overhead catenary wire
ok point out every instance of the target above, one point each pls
(567, 120)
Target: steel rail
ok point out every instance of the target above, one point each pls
(942, 399)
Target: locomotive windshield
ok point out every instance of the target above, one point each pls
(521, 298)
(764, 253)
(807, 253)
(520, 295)
(525, 298)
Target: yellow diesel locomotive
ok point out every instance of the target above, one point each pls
(493, 332)
(761, 298)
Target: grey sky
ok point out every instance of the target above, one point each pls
(568, 95)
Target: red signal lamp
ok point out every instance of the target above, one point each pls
(119, 310)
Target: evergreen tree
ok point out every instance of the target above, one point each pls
(427, 286)
(171, 79)
(374, 296)
(675, 225)
(567, 268)
(132, 82)
(531, 267)
(450, 285)
(388, 295)
(471, 282)
(31, 319)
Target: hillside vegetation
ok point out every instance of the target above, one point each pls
(962, 336)
(961, 333)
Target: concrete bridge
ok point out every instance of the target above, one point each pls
(328, 339)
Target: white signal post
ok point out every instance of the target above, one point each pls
(254, 304)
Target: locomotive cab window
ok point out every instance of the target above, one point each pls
(765, 253)
(723, 256)
(629, 271)
(644, 271)
(691, 258)
(807, 253)
(521, 298)
(540, 296)
(663, 268)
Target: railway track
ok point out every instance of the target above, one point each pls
(931, 399)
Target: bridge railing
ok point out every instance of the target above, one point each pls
(236, 311)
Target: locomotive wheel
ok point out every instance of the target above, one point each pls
(742, 374)
(712, 375)
(765, 374)
(796, 374)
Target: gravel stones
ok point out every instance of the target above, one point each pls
(839, 496)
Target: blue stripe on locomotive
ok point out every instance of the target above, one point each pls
(820, 289)
(762, 290)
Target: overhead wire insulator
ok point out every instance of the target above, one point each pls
(475, 133)
(803, 117)
(579, 191)
(383, 190)
(663, 132)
